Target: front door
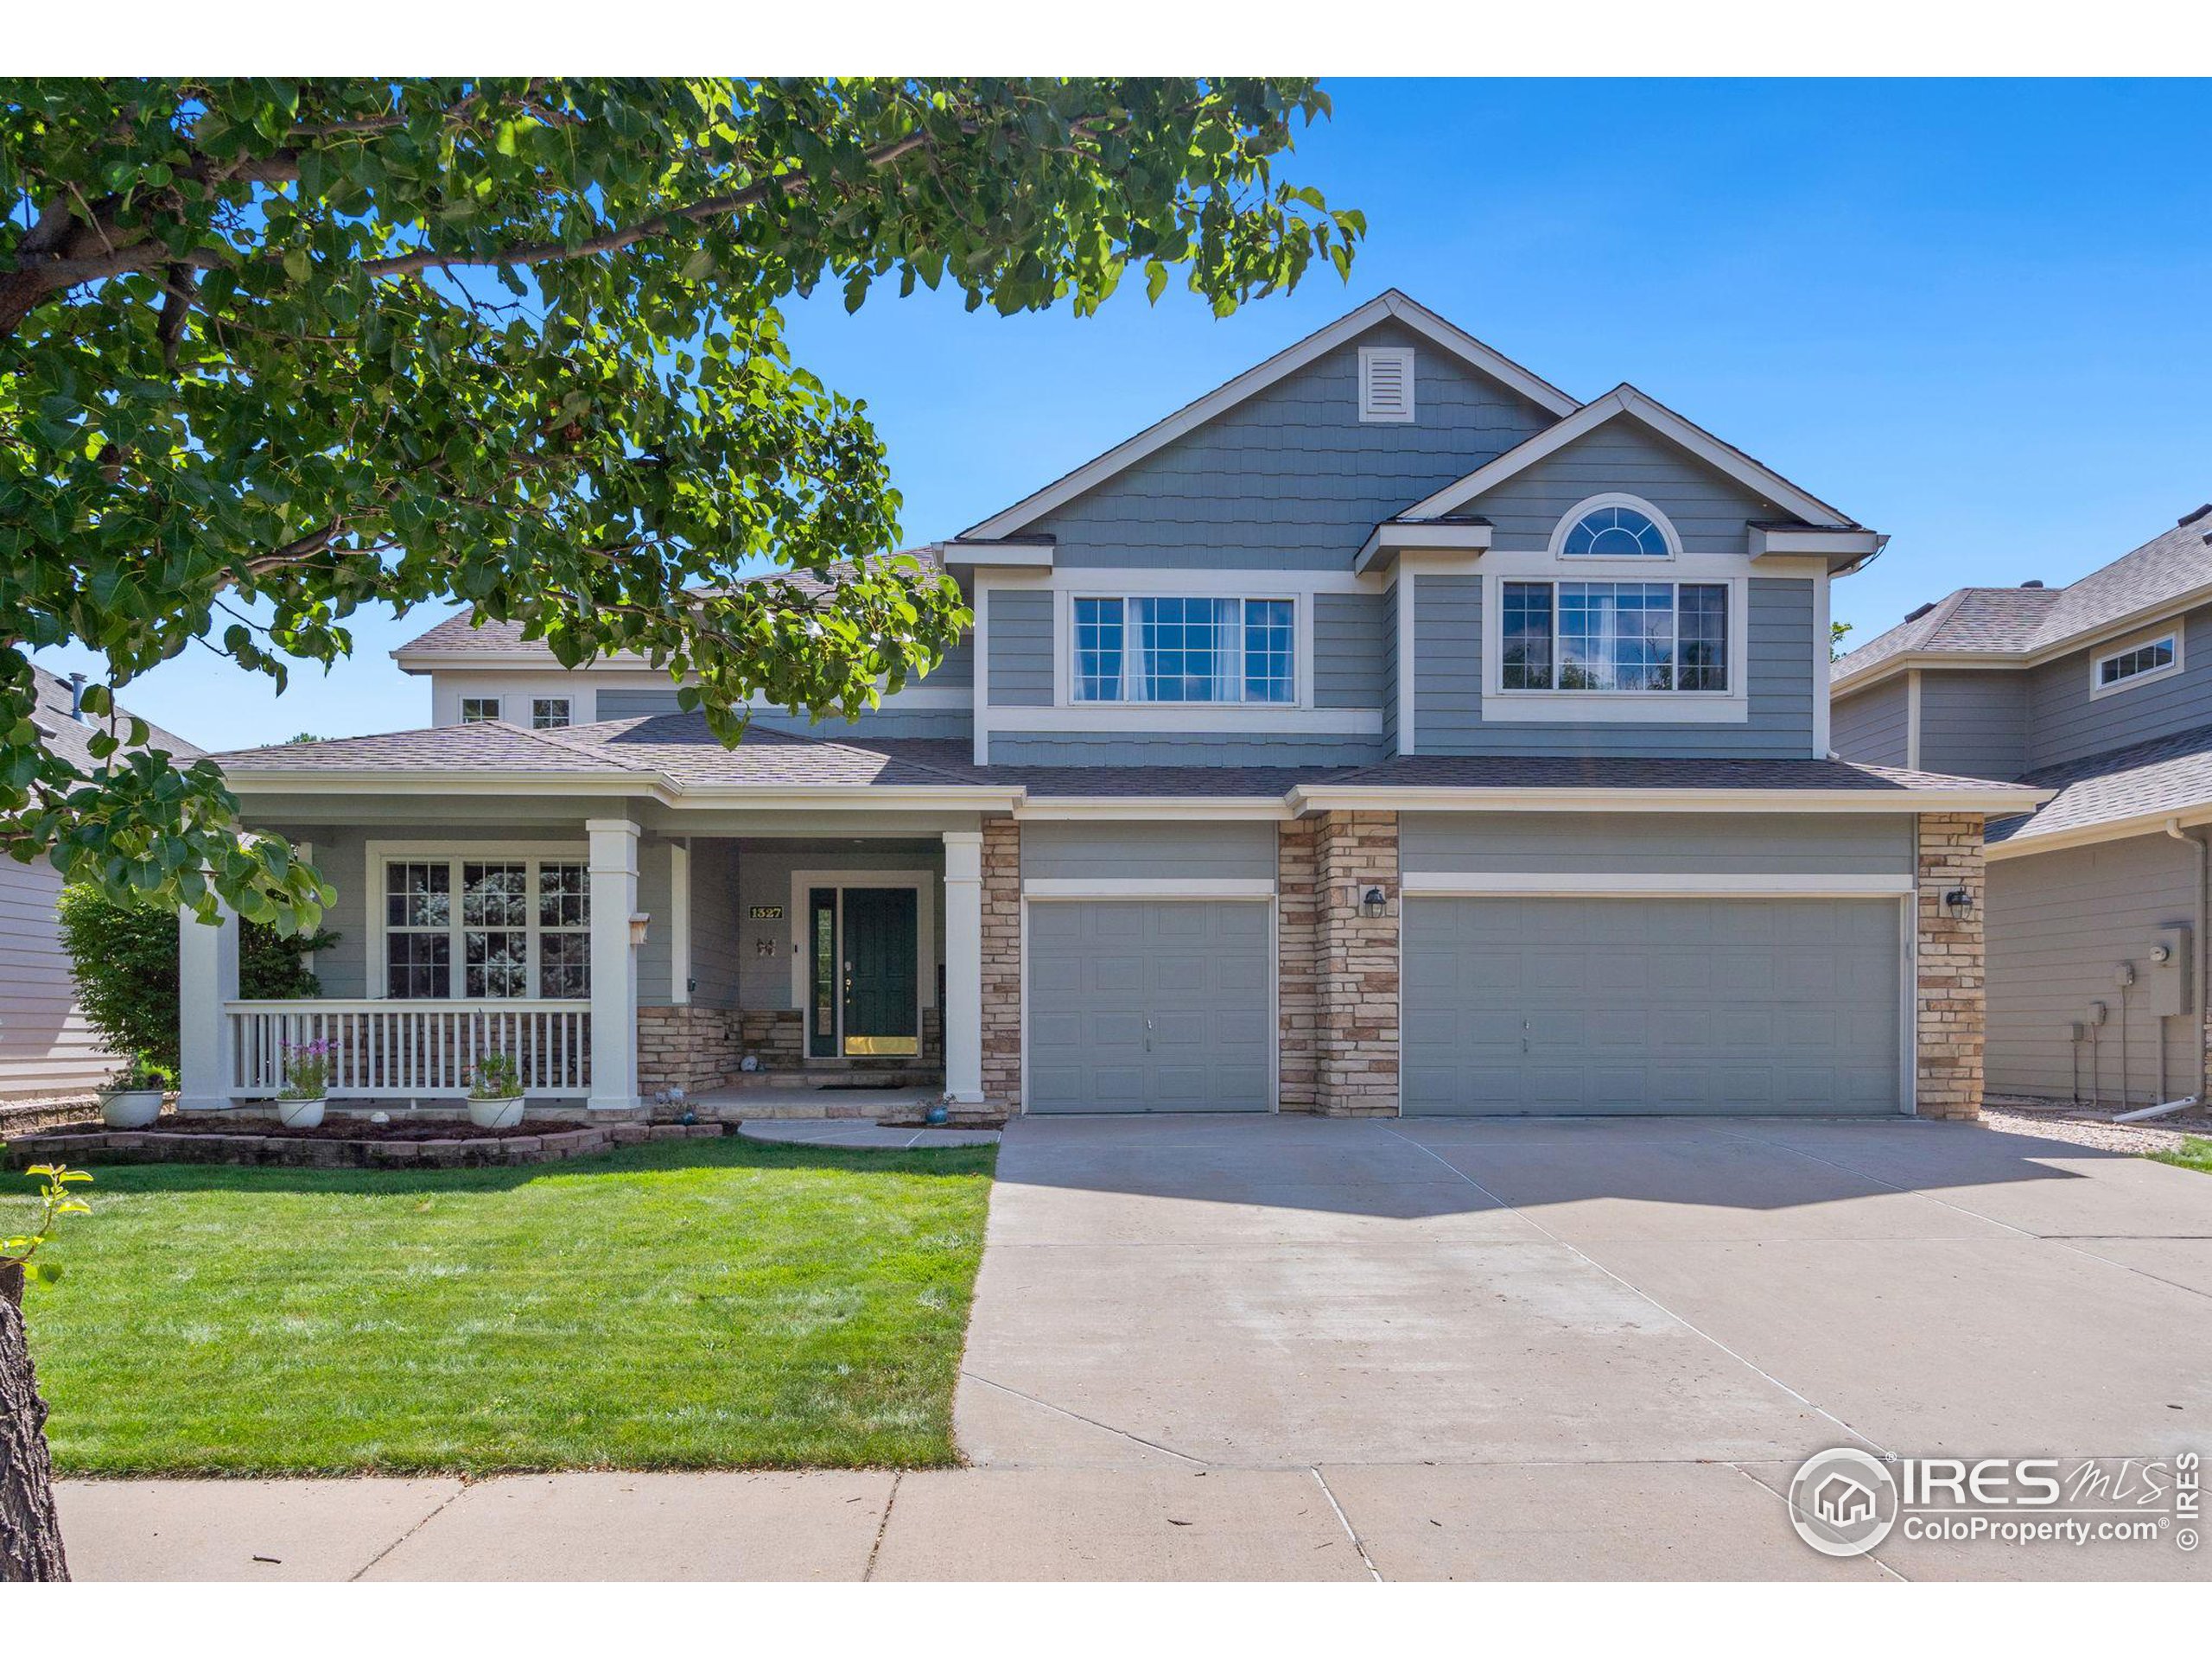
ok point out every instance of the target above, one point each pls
(878, 971)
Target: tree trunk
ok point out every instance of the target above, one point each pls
(30, 1531)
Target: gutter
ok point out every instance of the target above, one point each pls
(1994, 802)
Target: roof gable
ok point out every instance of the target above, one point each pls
(1391, 306)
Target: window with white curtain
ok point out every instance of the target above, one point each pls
(522, 928)
(1615, 636)
(1185, 649)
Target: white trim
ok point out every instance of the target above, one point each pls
(1646, 885)
(1393, 537)
(1772, 542)
(1227, 719)
(1582, 509)
(1408, 657)
(1256, 887)
(2157, 636)
(1392, 305)
(795, 922)
(1369, 356)
(1912, 722)
(961, 1024)
(679, 923)
(1730, 707)
(1995, 800)
(1627, 400)
(2026, 843)
(376, 854)
(1267, 809)
(995, 556)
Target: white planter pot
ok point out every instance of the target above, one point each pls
(130, 1109)
(301, 1114)
(496, 1114)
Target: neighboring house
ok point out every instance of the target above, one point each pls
(1386, 730)
(2101, 691)
(45, 1049)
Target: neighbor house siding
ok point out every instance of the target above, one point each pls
(1347, 650)
(46, 1048)
(2065, 723)
(1147, 851)
(1449, 717)
(2059, 925)
(1871, 726)
(1290, 478)
(1620, 843)
(1973, 725)
(1018, 629)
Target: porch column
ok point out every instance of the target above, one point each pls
(964, 967)
(208, 977)
(613, 964)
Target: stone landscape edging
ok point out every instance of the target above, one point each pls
(313, 1152)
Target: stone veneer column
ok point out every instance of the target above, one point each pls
(1357, 964)
(1298, 991)
(1947, 995)
(1003, 964)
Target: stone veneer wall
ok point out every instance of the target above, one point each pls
(1947, 1001)
(777, 1036)
(685, 1047)
(1298, 990)
(1003, 964)
(1357, 964)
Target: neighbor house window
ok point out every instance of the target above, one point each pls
(1185, 650)
(1615, 636)
(522, 928)
(2147, 659)
(547, 714)
(475, 708)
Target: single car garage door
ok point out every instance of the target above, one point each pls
(1149, 1006)
(1651, 1005)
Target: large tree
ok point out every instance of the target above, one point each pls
(273, 350)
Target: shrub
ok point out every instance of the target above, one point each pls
(124, 959)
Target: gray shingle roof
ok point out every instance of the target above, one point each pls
(68, 737)
(2164, 774)
(2026, 620)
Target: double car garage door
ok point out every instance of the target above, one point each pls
(1530, 1006)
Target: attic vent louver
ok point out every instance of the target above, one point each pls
(1386, 383)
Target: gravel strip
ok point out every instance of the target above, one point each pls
(2090, 1129)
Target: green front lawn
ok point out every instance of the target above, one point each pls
(688, 1305)
(2194, 1153)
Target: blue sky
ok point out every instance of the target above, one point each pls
(1975, 316)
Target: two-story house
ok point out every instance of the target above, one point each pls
(1386, 731)
(2100, 692)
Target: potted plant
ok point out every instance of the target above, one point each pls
(306, 1084)
(132, 1098)
(495, 1092)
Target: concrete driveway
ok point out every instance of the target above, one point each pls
(1557, 1348)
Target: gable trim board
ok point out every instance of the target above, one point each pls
(1626, 400)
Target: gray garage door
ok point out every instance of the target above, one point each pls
(1651, 1005)
(1148, 1006)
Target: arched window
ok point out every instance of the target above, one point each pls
(1613, 529)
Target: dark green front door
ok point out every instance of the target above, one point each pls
(878, 971)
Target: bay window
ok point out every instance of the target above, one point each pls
(1615, 636)
(1185, 650)
(522, 928)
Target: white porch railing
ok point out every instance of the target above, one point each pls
(397, 1049)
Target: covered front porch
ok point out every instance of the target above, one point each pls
(631, 955)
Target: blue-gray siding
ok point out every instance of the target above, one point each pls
(1973, 723)
(2059, 924)
(2064, 723)
(1181, 749)
(1391, 670)
(1708, 510)
(1620, 843)
(1018, 624)
(1291, 478)
(717, 953)
(1147, 851)
(1871, 726)
(1448, 715)
(1347, 650)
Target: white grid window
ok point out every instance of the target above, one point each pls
(1615, 636)
(549, 714)
(521, 923)
(478, 709)
(1185, 650)
(2137, 662)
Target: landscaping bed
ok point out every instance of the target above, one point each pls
(438, 1143)
(688, 1305)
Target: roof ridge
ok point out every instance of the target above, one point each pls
(588, 751)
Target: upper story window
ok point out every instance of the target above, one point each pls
(1386, 383)
(549, 714)
(1615, 636)
(1614, 527)
(520, 923)
(1185, 650)
(2154, 659)
(476, 708)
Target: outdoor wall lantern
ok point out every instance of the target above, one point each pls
(638, 924)
(1958, 901)
(1370, 903)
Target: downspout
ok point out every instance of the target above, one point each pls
(2203, 960)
